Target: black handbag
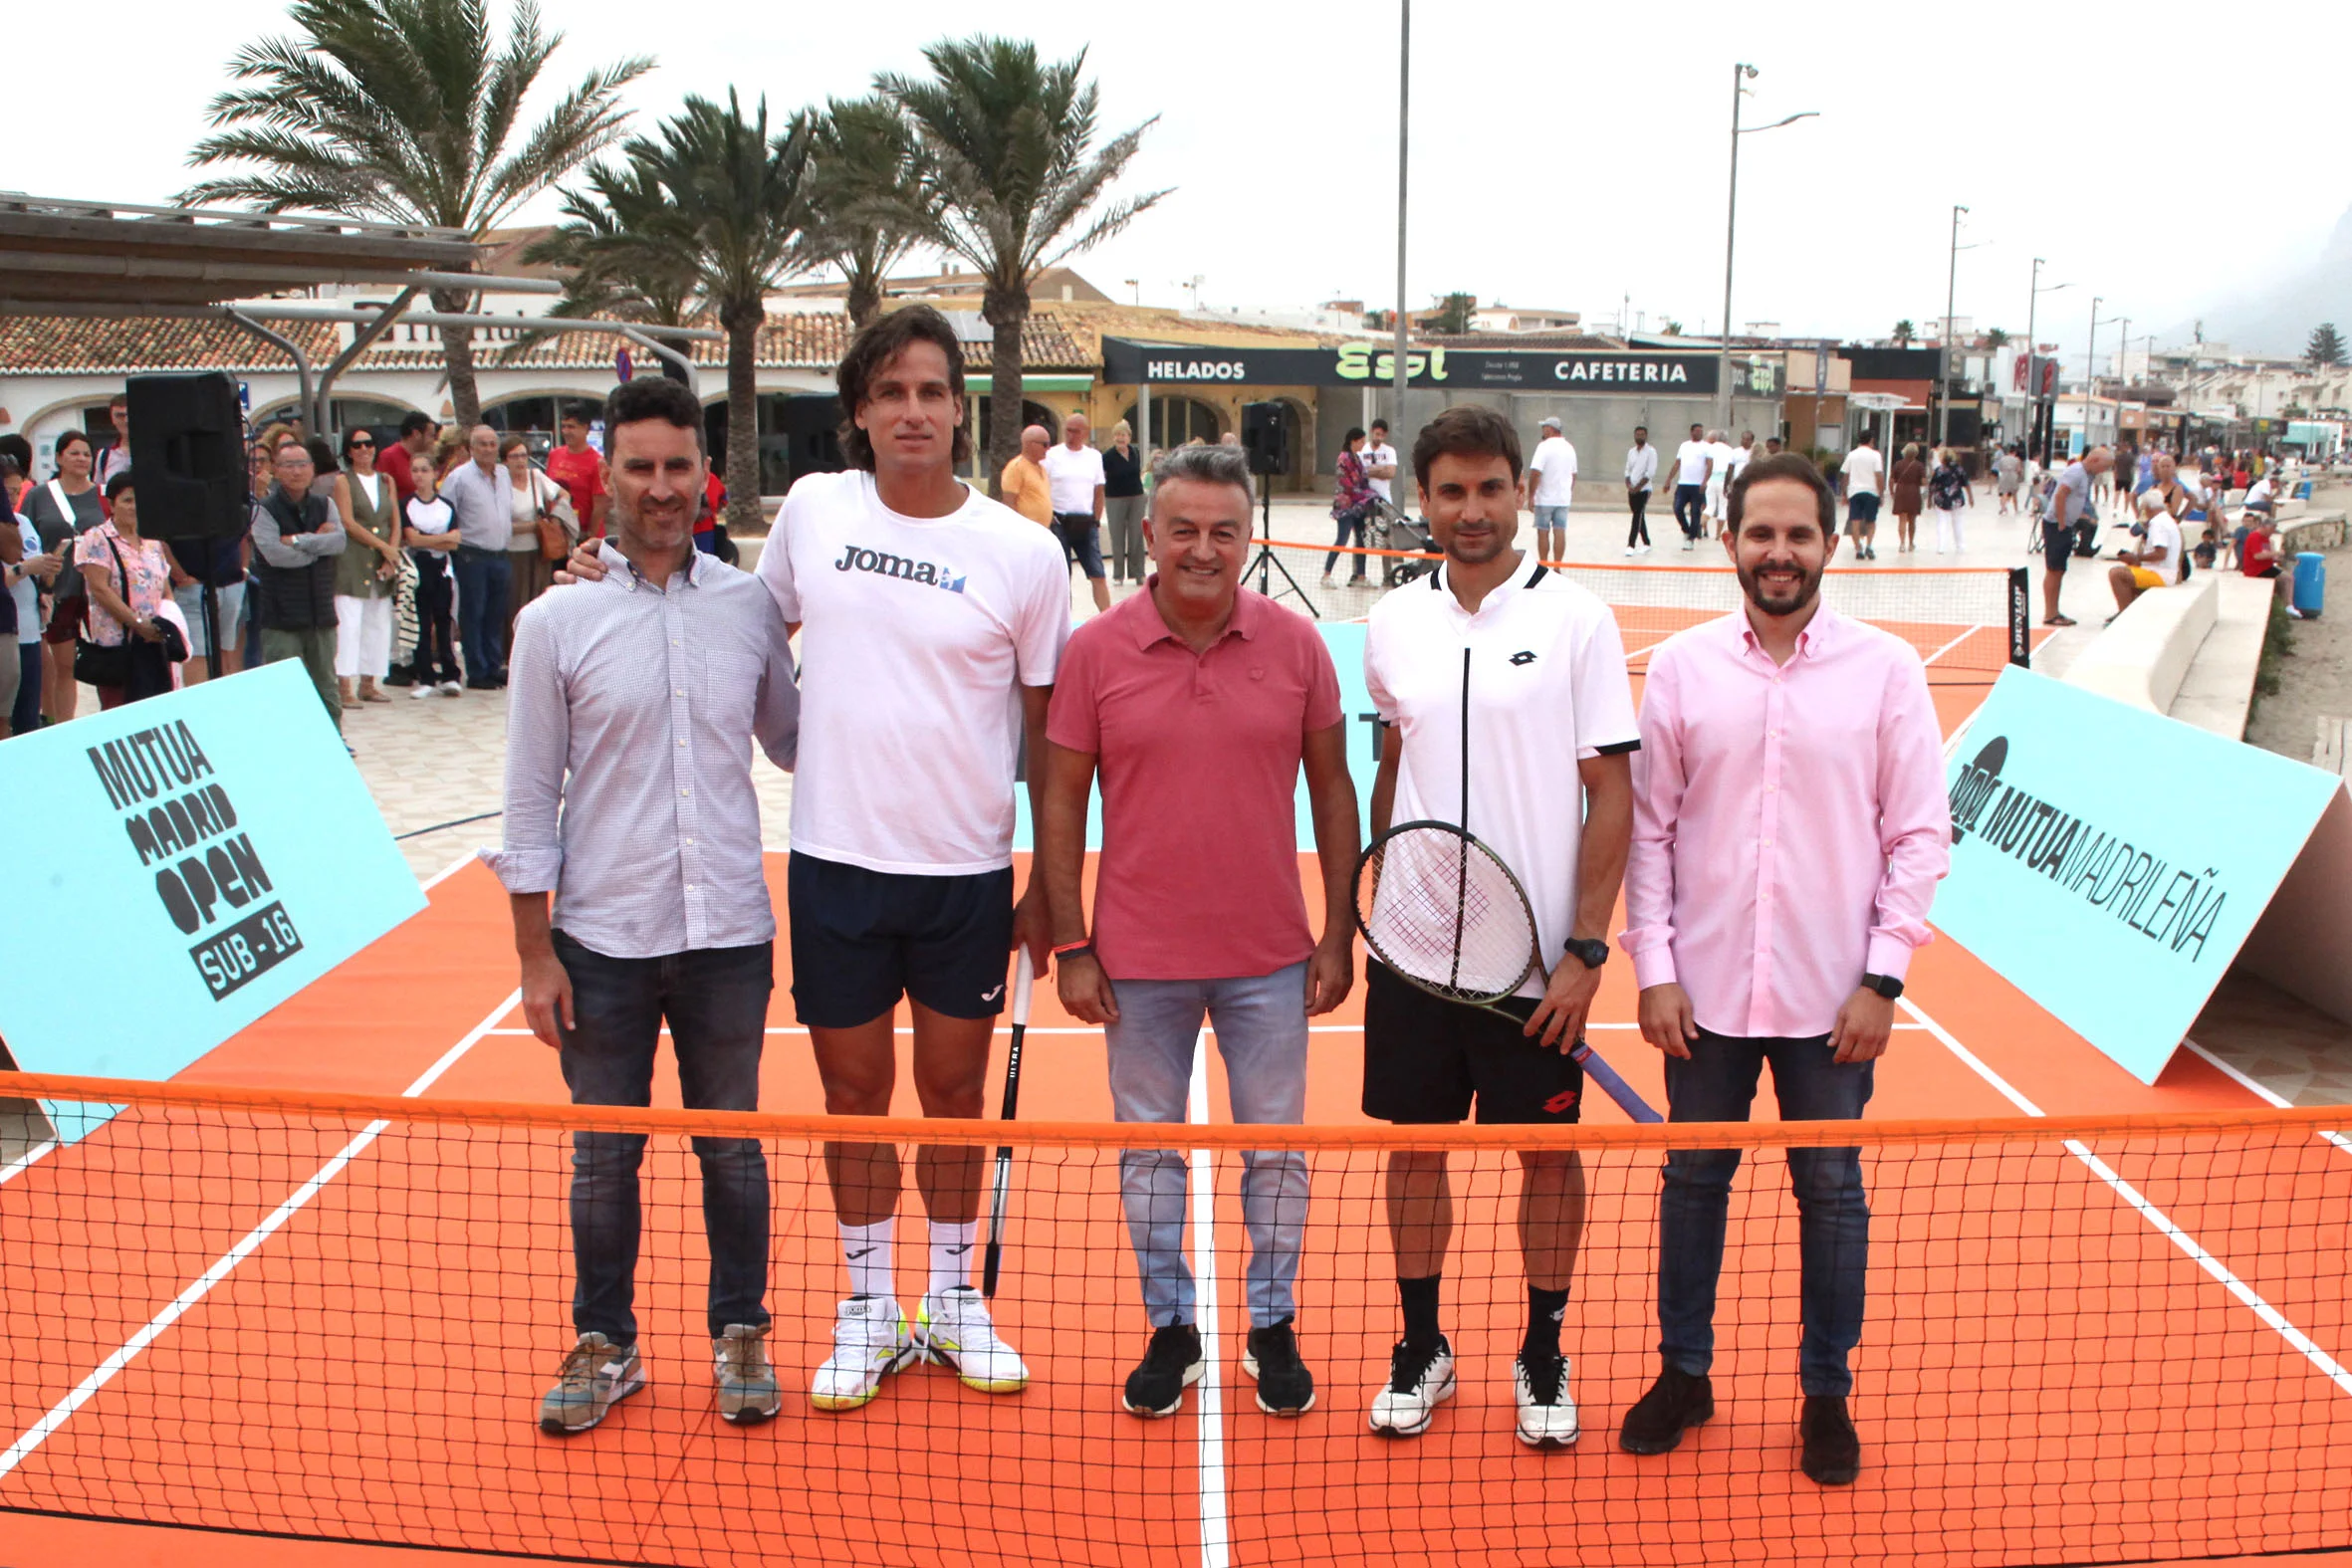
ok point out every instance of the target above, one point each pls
(95, 664)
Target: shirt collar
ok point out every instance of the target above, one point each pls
(1519, 582)
(1150, 626)
(619, 569)
(1822, 633)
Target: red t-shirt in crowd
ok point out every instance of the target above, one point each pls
(394, 461)
(582, 474)
(1198, 756)
(714, 491)
(2260, 550)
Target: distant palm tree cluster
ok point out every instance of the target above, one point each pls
(410, 111)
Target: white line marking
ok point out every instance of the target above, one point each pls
(201, 1287)
(24, 1162)
(2327, 1365)
(1216, 1534)
(2262, 1091)
(1953, 643)
(449, 870)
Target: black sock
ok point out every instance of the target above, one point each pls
(1545, 1308)
(1419, 1298)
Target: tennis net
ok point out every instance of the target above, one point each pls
(1962, 619)
(2089, 1340)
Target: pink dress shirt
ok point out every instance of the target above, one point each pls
(1789, 823)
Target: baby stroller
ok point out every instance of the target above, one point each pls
(1389, 529)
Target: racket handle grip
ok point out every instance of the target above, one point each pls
(1600, 1072)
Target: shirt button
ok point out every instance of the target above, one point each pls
(1768, 843)
(689, 887)
(681, 791)
(689, 841)
(682, 740)
(680, 692)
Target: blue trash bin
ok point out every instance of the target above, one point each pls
(2311, 584)
(2304, 490)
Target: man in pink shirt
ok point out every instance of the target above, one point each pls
(1791, 824)
(1196, 702)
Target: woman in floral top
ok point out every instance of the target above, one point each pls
(108, 553)
(1352, 502)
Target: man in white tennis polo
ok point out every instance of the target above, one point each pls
(1549, 706)
(931, 621)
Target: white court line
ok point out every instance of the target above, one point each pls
(2261, 1091)
(1953, 643)
(1216, 1532)
(2328, 1365)
(24, 1162)
(201, 1287)
(449, 870)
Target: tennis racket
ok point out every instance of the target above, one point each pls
(1445, 914)
(1002, 1192)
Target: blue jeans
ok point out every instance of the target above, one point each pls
(1260, 1027)
(1718, 1084)
(483, 577)
(1350, 526)
(1690, 509)
(25, 717)
(715, 1001)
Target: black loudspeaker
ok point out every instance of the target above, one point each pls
(187, 456)
(1265, 436)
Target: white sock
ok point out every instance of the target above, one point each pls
(867, 1249)
(951, 1254)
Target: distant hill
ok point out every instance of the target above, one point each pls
(2276, 318)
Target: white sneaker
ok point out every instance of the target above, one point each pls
(869, 1339)
(1415, 1389)
(1642, 550)
(1546, 1411)
(954, 1330)
(1327, 582)
(426, 689)
(1629, 550)
(452, 689)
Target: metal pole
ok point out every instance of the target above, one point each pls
(1730, 223)
(1143, 415)
(302, 363)
(1944, 365)
(361, 341)
(1404, 100)
(2090, 359)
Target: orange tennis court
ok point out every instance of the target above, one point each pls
(298, 1307)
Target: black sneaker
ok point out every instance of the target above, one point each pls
(1285, 1386)
(1674, 1403)
(1832, 1454)
(401, 675)
(1173, 1363)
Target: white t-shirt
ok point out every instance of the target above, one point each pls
(1691, 460)
(1862, 469)
(1547, 687)
(2261, 491)
(429, 516)
(916, 633)
(2164, 532)
(1073, 476)
(1554, 468)
(1379, 454)
(1735, 459)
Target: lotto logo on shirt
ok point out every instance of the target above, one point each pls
(882, 564)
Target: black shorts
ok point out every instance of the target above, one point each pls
(863, 939)
(1081, 539)
(1426, 1059)
(2057, 544)
(1862, 506)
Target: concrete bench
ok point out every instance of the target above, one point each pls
(2144, 656)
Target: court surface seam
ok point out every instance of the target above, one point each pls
(1216, 1530)
(2333, 1370)
(2270, 1097)
(202, 1285)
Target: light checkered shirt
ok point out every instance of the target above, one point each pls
(649, 698)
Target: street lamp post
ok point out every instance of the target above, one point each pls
(2032, 354)
(1740, 75)
(1944, 363)
(1404, 98)
(2090, 372)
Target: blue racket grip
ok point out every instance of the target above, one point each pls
(1618, 1089)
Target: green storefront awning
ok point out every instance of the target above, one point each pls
(1057, 383)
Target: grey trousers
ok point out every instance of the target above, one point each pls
(1122, 549)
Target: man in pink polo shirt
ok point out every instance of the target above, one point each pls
(1789, 827)
(1196, 702)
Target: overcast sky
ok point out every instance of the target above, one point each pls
(1562, 156)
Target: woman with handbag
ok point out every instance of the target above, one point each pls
(1352, 506)
(65, 507)
(546, 528)
(366, 571)
(129, 652)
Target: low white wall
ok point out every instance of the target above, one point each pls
(2143, 658)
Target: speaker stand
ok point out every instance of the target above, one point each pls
(1268, 562)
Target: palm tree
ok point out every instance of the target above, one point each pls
(1995, 338)
(1904, 332)
(406, 111)
(868, 203)
(717, 204)
(603, 275)
(1013, 174)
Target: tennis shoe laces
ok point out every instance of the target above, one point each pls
(869, 1340)
(746, 1383)
(953, 1328)
(596, 1376)
(1271, 1358)
(1546, 1411)
(1170, 1365)
(1419, 1381)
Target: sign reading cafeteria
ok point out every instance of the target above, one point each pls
(1127, 363)
(202, 856)
(2082, 875)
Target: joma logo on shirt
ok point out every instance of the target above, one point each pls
(928, 573)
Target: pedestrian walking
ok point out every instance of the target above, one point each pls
(1906, 496)
(1949, 492)
(1864, 470)
(1641, 471)
(1694, 462)
(2008, 475)
(1351, 508)
(1076, 484)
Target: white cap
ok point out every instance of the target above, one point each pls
(1550, 422)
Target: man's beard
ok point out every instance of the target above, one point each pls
(1471, 553)
(1761, 596)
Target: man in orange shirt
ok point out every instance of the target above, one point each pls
(1022, 486)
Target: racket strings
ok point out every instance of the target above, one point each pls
(1441, 910)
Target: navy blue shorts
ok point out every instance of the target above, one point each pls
(1862, 506)
(863, 939)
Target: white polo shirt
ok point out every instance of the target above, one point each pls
(1554, 468)
(1691, 459)
(1548, 688)
(1073, 477)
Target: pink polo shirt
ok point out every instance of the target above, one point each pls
(1789, 823)
(1198, 760)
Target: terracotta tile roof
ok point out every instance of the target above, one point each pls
(69, 344)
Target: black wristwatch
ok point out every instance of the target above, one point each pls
(1885, 985)
(1591, 952)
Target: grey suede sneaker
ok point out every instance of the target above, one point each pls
(746, 1383)
(594, 1377)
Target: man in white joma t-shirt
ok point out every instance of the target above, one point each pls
(1073, 474)
(931, 619)
(1551, 490)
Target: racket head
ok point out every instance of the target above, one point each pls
(1443, 912)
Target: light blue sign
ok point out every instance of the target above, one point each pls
(1345, 639)
(194, 860)
(2092, 870)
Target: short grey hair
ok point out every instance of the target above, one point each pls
(1200, 465)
